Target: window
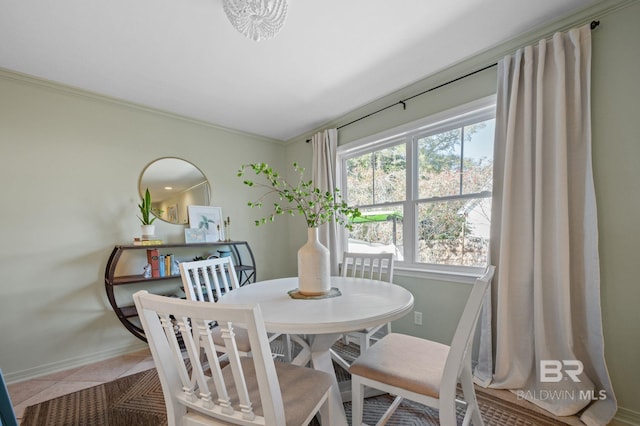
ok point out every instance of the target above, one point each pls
(424, 189)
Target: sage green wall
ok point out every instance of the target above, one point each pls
(616, 150)
(70, 164)
(69, 169)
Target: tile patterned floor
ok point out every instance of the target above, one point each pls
(29, 392)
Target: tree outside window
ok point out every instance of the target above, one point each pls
(449, 174)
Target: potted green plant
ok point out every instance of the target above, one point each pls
(146, 218)
(316, 206)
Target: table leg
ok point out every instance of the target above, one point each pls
(304, 356)
(321, 360)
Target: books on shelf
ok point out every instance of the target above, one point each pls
(153, 258)
(139, 242)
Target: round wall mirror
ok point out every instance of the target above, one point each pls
(174, 184)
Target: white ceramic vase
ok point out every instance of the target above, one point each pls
(147, 230)
(314, 272)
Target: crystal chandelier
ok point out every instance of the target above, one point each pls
(256, 19)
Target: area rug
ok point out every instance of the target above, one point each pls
(137, 400)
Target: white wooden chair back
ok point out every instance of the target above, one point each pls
(375, 266)
(208, 280)
(460, 348)
(193, 384)
(449, 366)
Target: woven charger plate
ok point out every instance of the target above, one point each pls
(295, 294)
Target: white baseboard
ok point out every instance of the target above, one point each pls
(624, 416)
(67, 364)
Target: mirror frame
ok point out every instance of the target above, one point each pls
(182, 217)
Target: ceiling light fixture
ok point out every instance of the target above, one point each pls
(256, 19)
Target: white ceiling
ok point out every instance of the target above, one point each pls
(183, 56)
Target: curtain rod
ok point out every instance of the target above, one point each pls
(593, 26)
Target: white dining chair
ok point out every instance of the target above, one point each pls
(207, 281)
(201, 389)
(374, 266)
(422, 370)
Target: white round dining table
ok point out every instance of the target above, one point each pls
(318, 323)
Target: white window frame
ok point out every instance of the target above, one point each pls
(469, 113)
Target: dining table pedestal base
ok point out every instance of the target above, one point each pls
(316, 324)
(315, 350)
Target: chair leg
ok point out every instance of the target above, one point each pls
(447, 411)
(287, 347)
(326, 410)
(339, 360)
(364, 343)
(468, 390)
(392, 409)
(447, 401)
(357, 401)
(303, 357)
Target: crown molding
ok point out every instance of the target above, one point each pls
(15, 76)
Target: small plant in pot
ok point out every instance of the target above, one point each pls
(146, 216)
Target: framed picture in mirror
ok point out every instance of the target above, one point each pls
(172, 213)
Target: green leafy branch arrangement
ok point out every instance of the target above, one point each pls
(316, 206)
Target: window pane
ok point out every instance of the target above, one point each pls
(478, 157)
(450, 160)
(390, 175)
(439, 164)
(377, 177)
(454, 232)
(360, 180)
(378, 231)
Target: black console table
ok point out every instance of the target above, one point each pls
(120, 286)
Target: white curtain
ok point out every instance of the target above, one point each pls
(544, 241)
(325, 146)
